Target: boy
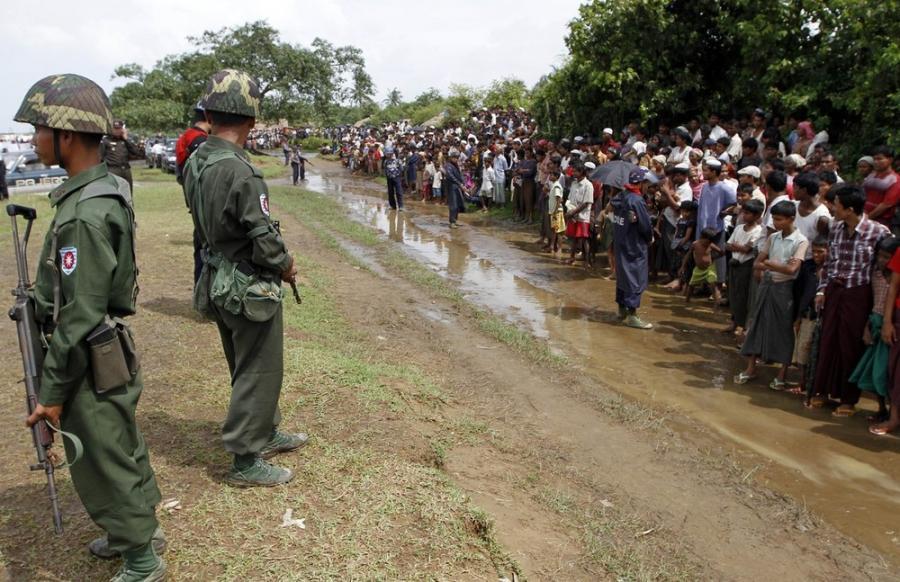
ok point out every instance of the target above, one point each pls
(581, 199)
(555, 208)
(806, 345)
(771, 333)
(704, 269)
(742, 246)
(681, 242)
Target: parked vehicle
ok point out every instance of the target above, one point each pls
(26, 169)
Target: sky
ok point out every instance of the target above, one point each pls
(412, 45)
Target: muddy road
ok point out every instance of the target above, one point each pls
(684, 364)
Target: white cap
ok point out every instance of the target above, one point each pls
(683, 166)
(750, 171)
(639, 148)
(712, 163)
(590, 165)
(796, 159)
(578, 139)
(575, 152)
(607, 131)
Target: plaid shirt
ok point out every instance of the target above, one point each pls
(851, 255)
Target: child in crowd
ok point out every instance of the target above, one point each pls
(428, 178)
(578, 215)
(771, 332)
(438, 177)
(871, 374)
(890, 334)
(743, 246)
(684, 234)
(808, 326)
(557, 214)
(487, 183)
(703, 251)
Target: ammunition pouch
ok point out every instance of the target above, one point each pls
(114, 358)
(238, 289)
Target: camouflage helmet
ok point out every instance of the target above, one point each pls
(232, 91)
(70, 102)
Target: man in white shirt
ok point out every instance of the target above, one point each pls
(715, 131)
(675, 190)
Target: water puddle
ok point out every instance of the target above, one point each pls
(834, 465)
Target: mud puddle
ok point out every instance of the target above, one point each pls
(832, 466)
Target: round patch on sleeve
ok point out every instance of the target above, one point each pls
(264, 203)
(68, 259)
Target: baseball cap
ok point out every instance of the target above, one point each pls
(750, 171)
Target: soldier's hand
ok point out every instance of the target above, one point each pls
(49, 413)
(289, 274)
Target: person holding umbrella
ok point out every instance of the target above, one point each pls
(632, 234)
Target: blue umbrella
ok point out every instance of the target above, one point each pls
(614, 173)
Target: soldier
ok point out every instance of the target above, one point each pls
(242, 247)
(116, 150)
(87, 274)
(4, 191)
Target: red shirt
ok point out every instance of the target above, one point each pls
(894, 267)
(183, 146)
(882, 190)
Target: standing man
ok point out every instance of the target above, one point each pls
(116, 151)
(298, 165)
(715, 197)
(844, 298)
(86, 275)
(455, 186)
(393, 171)
(632, 235)
(230, 208)
(4, 191)
(187, 143)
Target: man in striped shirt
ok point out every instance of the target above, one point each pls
(844, 297)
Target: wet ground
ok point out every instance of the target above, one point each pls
(832, 465)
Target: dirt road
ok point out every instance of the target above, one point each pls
(445, 445)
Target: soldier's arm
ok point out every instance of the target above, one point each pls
(134, 152)
(252, 199)
(83, 305)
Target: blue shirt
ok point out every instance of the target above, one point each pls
(713, 200)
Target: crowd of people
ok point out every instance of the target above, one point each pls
(753, 213)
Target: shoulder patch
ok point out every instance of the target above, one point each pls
(264, 203)
(68, 259)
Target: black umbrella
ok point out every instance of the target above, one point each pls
(614, 173)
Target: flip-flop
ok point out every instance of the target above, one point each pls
(777, 385)
(878, 431)
(843, 413)
(816, 403)
(743, 378)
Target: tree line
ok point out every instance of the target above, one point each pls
(835, 62)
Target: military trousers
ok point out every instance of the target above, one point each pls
(124, 173)
(255, 354)
(113, 479)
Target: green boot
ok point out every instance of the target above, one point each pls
(634, 321)
(623, 313)
(141, 565)
(282, 442)
(253, 471)
(100, 546)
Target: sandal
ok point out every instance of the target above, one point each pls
(794, 388)
(879, 430)
(777, 385)
(816, 402)
(843, 412)
(743, 378)
(879, 417)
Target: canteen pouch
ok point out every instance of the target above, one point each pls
(201, 296)
(109, 366)
(237, 289)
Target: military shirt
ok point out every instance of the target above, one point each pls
(94, 255)
(116, 152)
(235, 201)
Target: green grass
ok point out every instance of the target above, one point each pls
(324, 216)
(376, 505)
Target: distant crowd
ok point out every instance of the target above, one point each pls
(753, 213)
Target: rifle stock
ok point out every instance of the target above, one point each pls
(31, 346)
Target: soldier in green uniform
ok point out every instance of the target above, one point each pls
(245, 261)
(86, 274)
(116, 150)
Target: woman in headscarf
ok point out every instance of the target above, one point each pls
(805, 135)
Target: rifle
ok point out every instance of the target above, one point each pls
(293, 281)
(32, 346)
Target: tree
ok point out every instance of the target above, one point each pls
(835, 61)
(394, 98)
(297, 83)
(507, 92)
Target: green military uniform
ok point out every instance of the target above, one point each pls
(87, 272)
(117, 152)
(229, 202)
(235, 202)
